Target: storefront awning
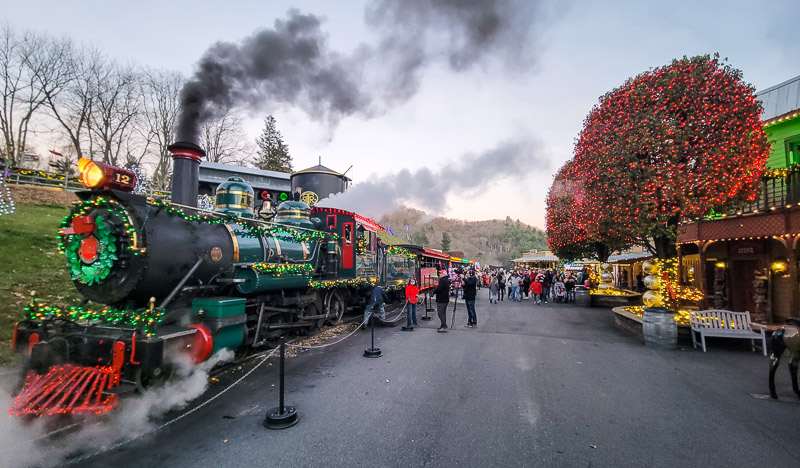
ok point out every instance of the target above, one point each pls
(630, 257)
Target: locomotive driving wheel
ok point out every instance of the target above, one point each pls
(334, 308)
(309, 311)
(154, 378)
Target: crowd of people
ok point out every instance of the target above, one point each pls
(539, 286)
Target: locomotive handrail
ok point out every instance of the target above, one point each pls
(181, 283)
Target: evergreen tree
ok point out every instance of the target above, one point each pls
(446, 241)
(420, 238)
(273, 153)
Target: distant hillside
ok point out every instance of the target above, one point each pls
(493, 242)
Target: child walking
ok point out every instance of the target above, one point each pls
(494, 289)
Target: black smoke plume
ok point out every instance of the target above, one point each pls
(291, 64)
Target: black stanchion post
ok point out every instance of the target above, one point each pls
(455, 303)
(427, 308)
(282, 416)
(405, 307)
(372, 351)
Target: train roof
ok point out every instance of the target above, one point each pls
(368, 223)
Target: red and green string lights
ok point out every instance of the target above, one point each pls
(146, 320)
(279, 269)
(254, 228)
(677, 141)
(325, 284)
(399, 250)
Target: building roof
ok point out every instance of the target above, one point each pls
(780, 99)
(627, 257)
(218, 173)
(320, 169)
(536, 258)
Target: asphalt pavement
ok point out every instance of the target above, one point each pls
(532, 385)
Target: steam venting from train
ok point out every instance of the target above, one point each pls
(429, 190)
(292, 63)
(28, 444)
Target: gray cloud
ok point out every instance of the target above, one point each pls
(509, 161)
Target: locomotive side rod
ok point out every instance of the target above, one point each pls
(180, 284)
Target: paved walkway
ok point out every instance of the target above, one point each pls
(549, 385)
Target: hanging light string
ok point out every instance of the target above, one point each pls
(6, 201)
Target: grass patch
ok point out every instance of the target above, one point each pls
(30, 262)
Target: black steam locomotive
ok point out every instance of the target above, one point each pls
(162, 277)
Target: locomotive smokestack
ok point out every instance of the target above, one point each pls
(186, 171)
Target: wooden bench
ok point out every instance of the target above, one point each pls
(726, 324)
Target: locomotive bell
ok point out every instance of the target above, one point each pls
(235, 197)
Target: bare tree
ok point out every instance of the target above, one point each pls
(31, 68)
(160, 92)
(224, 139)
(116, 105)
(72, 107)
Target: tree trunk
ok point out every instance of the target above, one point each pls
(602, 251)
(665, 247)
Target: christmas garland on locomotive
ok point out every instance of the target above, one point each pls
(173, 278)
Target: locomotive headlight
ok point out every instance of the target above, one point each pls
(97, 175)
(91, 173)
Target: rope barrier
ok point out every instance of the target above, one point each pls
(176, 419)
(266, 354)
(328, 344)
(399, 316)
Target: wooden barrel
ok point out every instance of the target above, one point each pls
(582, 297)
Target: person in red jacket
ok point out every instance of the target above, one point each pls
(536, 290)
(412, 291)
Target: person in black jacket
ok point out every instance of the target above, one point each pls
(378, 298)
(470, 291)
(442, 292)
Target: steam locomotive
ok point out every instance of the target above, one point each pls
(166, 277)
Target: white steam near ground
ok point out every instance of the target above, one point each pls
(24, 444)
(509, 163)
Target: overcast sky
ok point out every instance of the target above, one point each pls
(484, 135)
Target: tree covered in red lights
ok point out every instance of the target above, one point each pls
(677, 141)
(572, 232)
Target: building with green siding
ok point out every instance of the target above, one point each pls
(782, 122)
(747, 260)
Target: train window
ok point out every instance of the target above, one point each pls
(331, 221)
(348, 234)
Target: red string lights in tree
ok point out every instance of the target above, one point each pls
(574, 230)
(676, 141)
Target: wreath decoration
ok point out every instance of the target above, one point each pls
(361, 244)
(100, 268)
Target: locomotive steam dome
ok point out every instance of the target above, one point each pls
(294, 213)
(318, 182)
(235, 197)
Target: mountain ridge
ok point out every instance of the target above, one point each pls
(491, 242)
